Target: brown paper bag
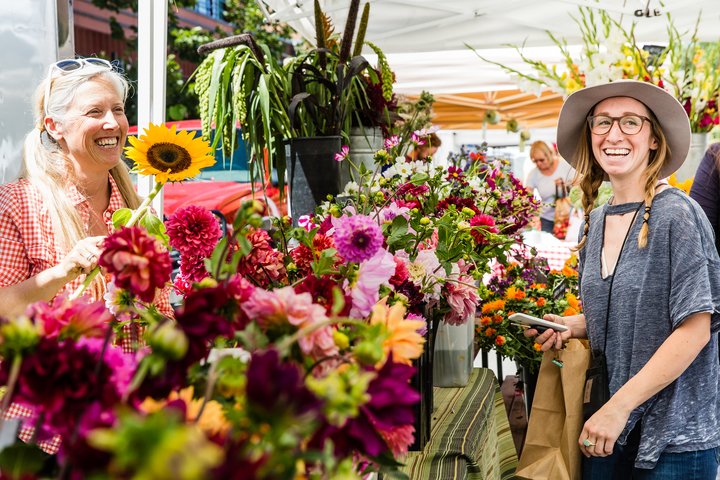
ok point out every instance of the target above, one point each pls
(551, 450)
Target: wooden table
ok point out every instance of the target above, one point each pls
(470, 436)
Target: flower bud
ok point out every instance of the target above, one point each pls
(341, 340)
(368, 352)
(424, 221)
(17, 335)
(208, 282)
(468, 211)
(168, 341)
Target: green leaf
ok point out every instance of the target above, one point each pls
(121, 217)
(325, 264)
(21, 459)
(155, 227)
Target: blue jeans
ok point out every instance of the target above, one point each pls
(697, 465)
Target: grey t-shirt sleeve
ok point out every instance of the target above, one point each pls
(694, 265)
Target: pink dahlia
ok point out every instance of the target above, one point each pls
(193, 231)
(273, 309)
(63, 318)
(357, 238)
(462, 297)
(136, 261)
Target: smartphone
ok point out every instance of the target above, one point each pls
(537, 323)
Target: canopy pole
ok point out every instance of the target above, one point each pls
(152, 58)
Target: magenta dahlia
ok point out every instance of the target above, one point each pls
(193, 231)
(357, 238)
(137, 262)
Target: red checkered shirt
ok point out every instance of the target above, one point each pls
(28, 246)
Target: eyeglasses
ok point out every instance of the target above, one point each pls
(629, 124)
(70, 65)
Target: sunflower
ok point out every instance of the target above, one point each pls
(170, 155)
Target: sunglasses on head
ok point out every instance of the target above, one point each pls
(70, 65)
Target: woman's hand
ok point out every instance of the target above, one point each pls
(602, 430)
(552, 339)
(82, 258)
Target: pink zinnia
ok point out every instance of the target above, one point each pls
(357, 237)
(193, 231)
(137, 262)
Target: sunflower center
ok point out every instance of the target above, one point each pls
(169, 156)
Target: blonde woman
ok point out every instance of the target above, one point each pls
(649, 285)
(549, 174)
(54, 218)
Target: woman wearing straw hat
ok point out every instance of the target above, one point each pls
(649, 284)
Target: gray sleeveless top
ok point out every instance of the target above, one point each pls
(655, 289)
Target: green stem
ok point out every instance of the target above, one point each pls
(137, 214)
(12, 380)
(138, 378)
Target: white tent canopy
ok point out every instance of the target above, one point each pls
(425, 40)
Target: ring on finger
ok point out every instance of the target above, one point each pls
(587, 443)
(90, 257)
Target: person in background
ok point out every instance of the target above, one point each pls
(425, 151)
(549, 174)
(54, 218)
(649, 285)
(706, 188)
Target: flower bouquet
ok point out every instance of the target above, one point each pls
(527, 286)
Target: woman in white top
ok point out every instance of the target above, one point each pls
(550, 172)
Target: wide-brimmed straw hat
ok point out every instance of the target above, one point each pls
(669, 113)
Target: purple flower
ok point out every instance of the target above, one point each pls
(357, 238)
(274, 386)
(343, 154)
(390, 406)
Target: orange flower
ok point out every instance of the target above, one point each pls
(555, 272)
(513, 293)
(497, 318)
(212, 421)
(537, 286)
(500, 341)
(403, 339)
(569, 311)
(573, 301)
(489, 332)
(572, 261)
(485, 320)
(540, 302)
(569, 271)
(493, 306)
(537, 347)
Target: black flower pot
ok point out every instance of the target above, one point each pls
(529, 379)
(313, 173)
